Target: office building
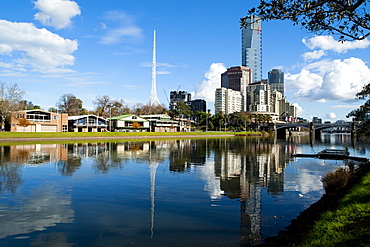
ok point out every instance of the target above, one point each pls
(276, 80)
(258, 97)
(237, 78)
(252, 46)
(227, 101)
(178, 96)
(197, 105)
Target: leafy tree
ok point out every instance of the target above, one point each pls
(136, 125)
(348, 18)
(181, 109)
(10, 98)
(237, 121)
(68, 103)
(363, 112)
(24, 123)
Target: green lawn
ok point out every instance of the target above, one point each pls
(102, 134)
(349, 225)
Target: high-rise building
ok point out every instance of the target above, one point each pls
(258, 97)
(276, 80)
(198, 105)
(252, 46)
(227, 101)
(178, 96)
(237, 78)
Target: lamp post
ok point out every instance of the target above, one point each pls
(110, 117)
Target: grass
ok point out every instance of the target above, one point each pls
(349, 224)
(4, 135)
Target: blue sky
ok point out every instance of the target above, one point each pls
(92, 48)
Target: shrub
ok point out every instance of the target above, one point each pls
(334, 182)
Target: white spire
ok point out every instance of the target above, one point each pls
(153, 100)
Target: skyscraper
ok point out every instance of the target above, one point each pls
(252, 46)
(276, 80)
(237, 78)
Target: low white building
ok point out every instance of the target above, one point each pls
(128, 123)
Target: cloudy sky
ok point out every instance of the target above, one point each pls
(94, 48)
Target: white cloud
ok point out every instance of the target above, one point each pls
(329, 43)
(124, 28)
(299, 108)
(206, 89)
(38, 48)
(338, 80)
(56, 13)
(345, 106)
(331, 115)
(313, 55)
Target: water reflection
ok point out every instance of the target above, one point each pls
(240, 169)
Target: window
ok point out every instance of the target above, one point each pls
(64, 128)
(55, 117)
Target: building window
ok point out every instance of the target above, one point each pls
(55, 117)
(64, 128)
(19, 115)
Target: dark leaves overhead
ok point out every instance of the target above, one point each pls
(350, 19)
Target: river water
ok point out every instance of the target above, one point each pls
(186, 192)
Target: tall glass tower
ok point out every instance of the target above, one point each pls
(252, 46)
(276, 80)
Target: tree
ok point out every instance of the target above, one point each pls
(68, 103)
(181, 110)
(103, 105)
(363, 112)
(348, 18)
(10, 98)
(136, 125)
(24, 123)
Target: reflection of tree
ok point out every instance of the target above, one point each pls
(104, 163)
(69, 166)
(10, 178)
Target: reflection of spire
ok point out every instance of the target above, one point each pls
(153, 164)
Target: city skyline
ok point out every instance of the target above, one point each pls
(93, 48)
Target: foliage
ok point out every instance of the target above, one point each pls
(362, 113)
(24, 123)
(181, 110)
(68, 103)
(135, 125)
(107, 107)
(348, 225)
(334, 182)
(10, 98)
(348, 18)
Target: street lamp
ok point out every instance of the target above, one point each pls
(110, 117)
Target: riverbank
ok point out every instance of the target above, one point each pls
(78, 136)
(341, 219)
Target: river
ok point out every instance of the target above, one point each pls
(187, 192)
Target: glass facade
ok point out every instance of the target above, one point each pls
(252, 47)
(276, 80)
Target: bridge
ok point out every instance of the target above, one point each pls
(314, 128)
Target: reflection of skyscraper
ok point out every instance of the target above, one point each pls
(252, 46)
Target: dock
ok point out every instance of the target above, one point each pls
(333, 154)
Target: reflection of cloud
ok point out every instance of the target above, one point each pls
(43, 207)
(307, 175)
(207, 174)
